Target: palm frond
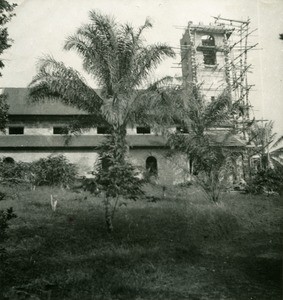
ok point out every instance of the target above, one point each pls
(278, 142)
(159, 84)
(55, 80)
(277, 161)
(93, 47)
(217, 112)
(149, 58)
(147, 24)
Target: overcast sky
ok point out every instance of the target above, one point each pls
(41, 26)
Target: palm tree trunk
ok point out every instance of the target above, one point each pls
(119, 138)
(108, 215)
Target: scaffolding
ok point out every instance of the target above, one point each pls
(236, 49)
(236, 46)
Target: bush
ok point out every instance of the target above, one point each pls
(269, 180)
(13, 172)
(53, 170)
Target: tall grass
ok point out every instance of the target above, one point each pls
(177, 247)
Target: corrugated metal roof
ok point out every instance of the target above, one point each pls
(20, 104)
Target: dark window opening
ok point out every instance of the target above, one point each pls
(207, 40)
(151, 165)
(60, 130)
(8, 160)
(143, 130)
(209, 57)
(16, 130)
(103, 130)
(212, 98)
(182, 129)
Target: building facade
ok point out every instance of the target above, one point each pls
(37, 130)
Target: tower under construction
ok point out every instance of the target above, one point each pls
(214, 57)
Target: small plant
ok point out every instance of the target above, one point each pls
(217, 179)
(115, 178)
(54, 202)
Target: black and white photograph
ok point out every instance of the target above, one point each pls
(141, 149)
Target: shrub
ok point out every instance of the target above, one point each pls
(53, 170)
(13, 172)
(268, 180)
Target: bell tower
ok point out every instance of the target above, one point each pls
(205, 58)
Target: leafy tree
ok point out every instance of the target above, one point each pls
(118, 60)
(6, 13)
(3, 112)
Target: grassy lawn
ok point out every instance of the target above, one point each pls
(180, 247)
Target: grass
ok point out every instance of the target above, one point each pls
(180, 247)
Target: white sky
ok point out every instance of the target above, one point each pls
(41, 27)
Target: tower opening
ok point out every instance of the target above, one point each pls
(207, 40)
(208, 49)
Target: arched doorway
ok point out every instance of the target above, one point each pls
(151, 165)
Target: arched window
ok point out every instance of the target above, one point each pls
(151, 165)
(8, 160)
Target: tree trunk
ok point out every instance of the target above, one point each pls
(119, 139)
(108, 215)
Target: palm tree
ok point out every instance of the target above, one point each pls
(116, 57)
(118, 60)
(197, 118)
(264, 139)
